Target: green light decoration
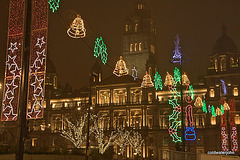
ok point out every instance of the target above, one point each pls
(177, 75)
(100, 49)
(158, 81)
(191, 94)
(204, 107)
(173, 131)
(213, 111)
(54, 4)
(222, 110)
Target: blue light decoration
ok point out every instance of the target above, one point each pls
(100, 49)
(54, 4)
(224, 87)
(177, 52)
(190, 134)
(134, 73)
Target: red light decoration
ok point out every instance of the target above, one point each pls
(37, 66)
(13, 61)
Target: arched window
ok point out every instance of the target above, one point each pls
(212, 93)
(135, 48)
(140, 46)
(216, 65)
(131, 47)
(235, 91)
(223, 64)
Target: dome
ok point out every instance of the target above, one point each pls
(224, 44)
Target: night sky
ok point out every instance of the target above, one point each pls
(199, 24)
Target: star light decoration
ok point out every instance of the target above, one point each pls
(120, 68)
(134, 73)
(13, 47)
(77, 29)
(54, 4)
(158, 81)
(147, 81)
(37, 66)
(100, 49)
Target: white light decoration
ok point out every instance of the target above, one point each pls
(41, 56)
(98, 130)
(134, 73)
(74, 133)
(136, 141)
(13, 47)
(77, 29)
(218, 112)
(147, 81)
(169, 80)
(122, 139)
(40, 42)
(120, 68)
(11, 62)
(226, 106)
(185, 79)
(198, 102)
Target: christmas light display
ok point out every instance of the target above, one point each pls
(218, 112)
(77, 29)
(37, 65)
(177, 75)
(222, 110)
(213, 111)
(175, 112)
(13, 61)
(158, 81)
(177, 53)
(169, 80)
(209, 109)
(224, 88)
(224, 139)
(74, 133)
(226, 106)
(120, 68)
(199, 102)
(122, 139)
(234, 140)
(147, 81)
(98, 130)
(190, 134)
(136, 141)
(204, 107)
(100, 49)
(54, 4)
(134, 73)
(185, 79)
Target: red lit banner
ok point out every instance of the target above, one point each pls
(12, 78)
(37, 66)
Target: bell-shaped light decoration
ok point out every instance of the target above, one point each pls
(198, 102)
(226, 106)
(169, 80)
(77, 29)
(147, 81)
(185, 79)
(218, 112)
(120, 68)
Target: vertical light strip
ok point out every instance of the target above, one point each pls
(37, 66)
(12, 78)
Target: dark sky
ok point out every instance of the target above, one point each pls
(199, 23)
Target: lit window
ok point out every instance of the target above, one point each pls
(213, 120)
(216, 65)
(212, 93)
(235, 91)
(140, 46)
(136, 27)
(223, 64)
(100, 77)
(34, 142)
(126, 28)
(152, 49)
(135, 48)
(131, 47)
